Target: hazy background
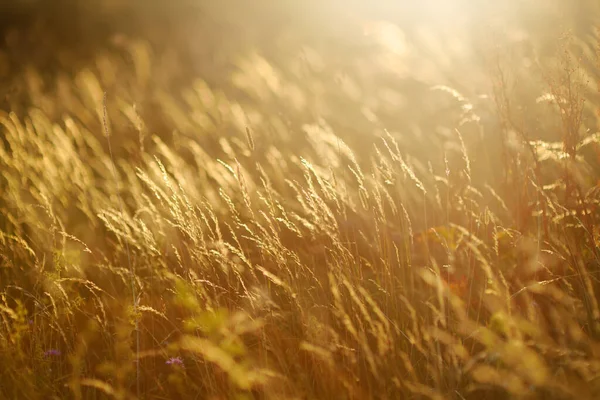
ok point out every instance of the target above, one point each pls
(360, 67)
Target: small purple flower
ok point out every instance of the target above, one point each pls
(175, 361)
(52, 352)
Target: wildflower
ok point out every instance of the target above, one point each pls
(175, 361)
(52, 352)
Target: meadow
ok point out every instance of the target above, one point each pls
(220, 200)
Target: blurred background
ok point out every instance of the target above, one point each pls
(416, 69)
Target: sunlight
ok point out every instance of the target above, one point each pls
(342, 199)
(387, 35)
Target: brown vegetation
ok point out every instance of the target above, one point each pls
(282, 227)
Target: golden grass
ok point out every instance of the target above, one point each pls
(292, 264)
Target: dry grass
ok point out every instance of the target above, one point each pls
(191, 246)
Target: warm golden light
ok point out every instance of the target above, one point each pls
(339, 199)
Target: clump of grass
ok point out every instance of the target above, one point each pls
(216, 260)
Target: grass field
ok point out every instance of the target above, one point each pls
(300, 201)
